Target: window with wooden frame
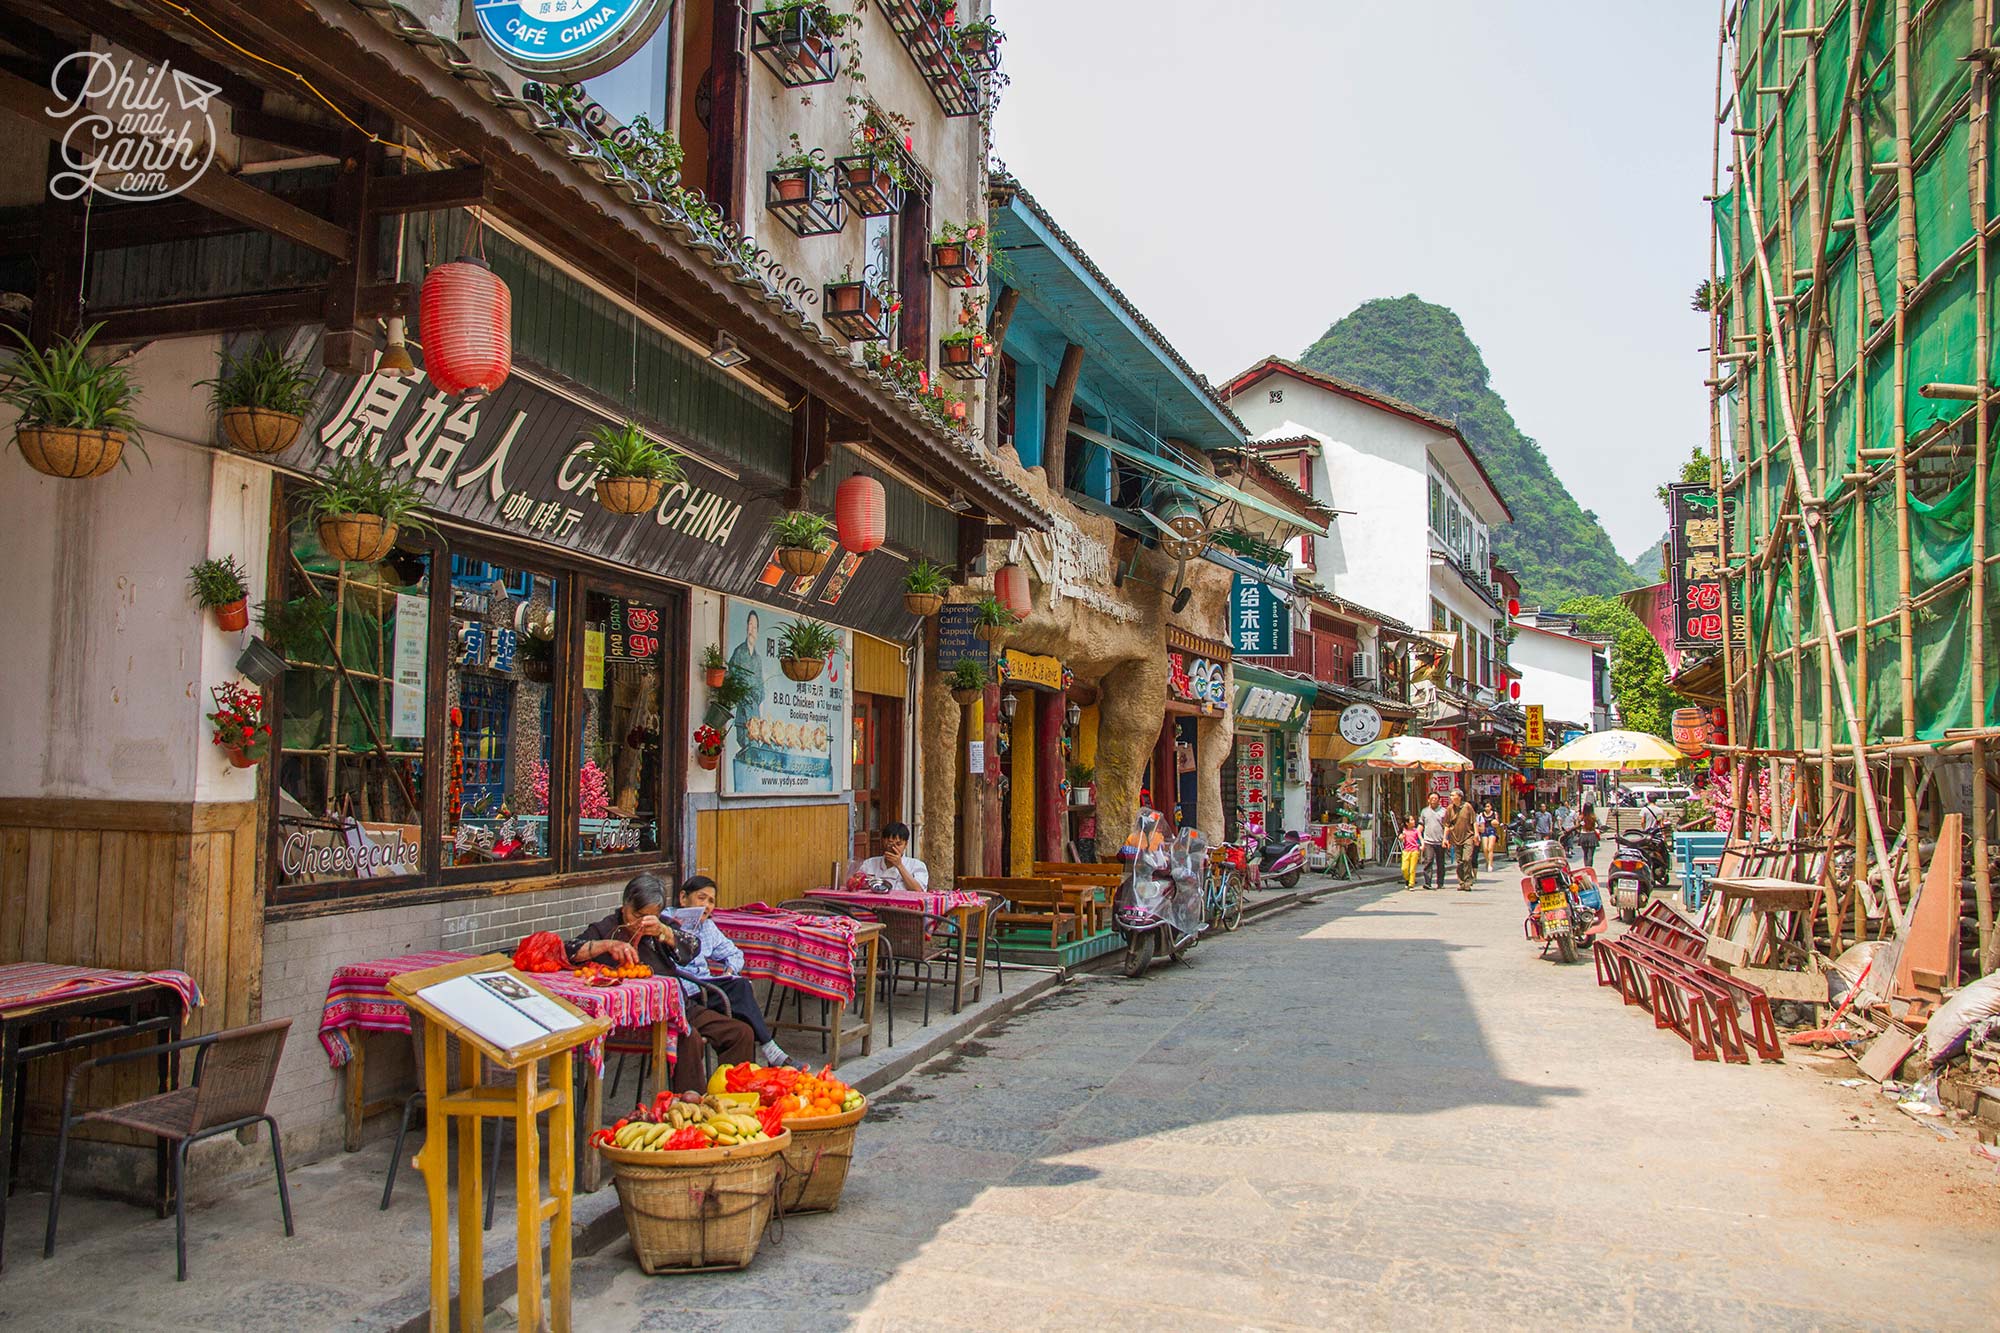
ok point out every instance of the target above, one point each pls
(625, 710)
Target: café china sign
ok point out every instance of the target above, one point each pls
(567, 40)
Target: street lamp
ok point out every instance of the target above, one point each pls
(1075, 713)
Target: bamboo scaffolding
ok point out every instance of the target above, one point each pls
(1982, 166)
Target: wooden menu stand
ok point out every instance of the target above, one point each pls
(525, 1102)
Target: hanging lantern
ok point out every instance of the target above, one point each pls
(1010, 585)
(1514, 690)
(858, 510)
(467, 321)
(1513, 607)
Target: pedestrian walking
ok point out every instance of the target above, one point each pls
(1412, 848)
(1461, 831)
(1430, 826)
(1489, 833)
(1545, 824)
(1587, 835)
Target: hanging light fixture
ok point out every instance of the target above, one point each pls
(727, 353)
(1010, 585)
(1075, 713)
(466, 314)
(395, 358)
(859, 508)
(1009, 701)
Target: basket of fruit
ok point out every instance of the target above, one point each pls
(820, 1113)
(697, 1181)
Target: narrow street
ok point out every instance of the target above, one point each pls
(1381, 1110)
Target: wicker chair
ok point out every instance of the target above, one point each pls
(924, 942)
(230, 1090)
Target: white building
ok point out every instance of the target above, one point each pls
(1562, 673)
(1413, 534)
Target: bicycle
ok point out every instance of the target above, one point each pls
(1222, 893)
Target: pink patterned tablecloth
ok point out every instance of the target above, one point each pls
(936, 904)
(26, 984)
(359, 998)
(813, 954)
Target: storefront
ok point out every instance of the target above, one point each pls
(1271, 784)
(1197, 720)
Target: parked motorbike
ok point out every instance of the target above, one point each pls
(1159, 906)
(1565, 907)
(1282, 859)
(1641, 867)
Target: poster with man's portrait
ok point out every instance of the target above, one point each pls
(787, 737)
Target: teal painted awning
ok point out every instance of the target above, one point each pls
(1199, 482)
(1251, 679)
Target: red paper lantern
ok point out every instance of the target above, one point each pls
(1010, 585)
(859, 509)
(1514, 690)
(1513, 607)
(467, 318)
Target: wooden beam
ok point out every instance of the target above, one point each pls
(348, 348)
(326, 140)
(1055, 432)
(809, 449)
(971, 547)
(59, 270)
(729, 106)
(148, 37)
(217, 314)
(428, 191)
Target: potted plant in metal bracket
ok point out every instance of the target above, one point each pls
(861, 310)
(993, 619)
(217, 584)
(1082, 784)
(801, 192)
(924, 588)
(979, 44)
(963, 354)
(873, 177)
(262, 397)
(735, 691)
(955, 254)
(632, 468)
(968, 681)
(238, 719)
(707, 746)
(804, 646)
(714, 667)
(795, 40)
(805, 541)
(359, 508)
(75, 414)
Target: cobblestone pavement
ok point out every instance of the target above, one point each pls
(1382, 1110)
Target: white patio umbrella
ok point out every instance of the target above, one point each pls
(1616, 749)
(1420, 752)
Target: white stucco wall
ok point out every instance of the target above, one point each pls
(1555, 673)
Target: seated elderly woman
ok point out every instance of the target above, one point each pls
(635, 933)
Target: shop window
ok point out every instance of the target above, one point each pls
(351, 713)
(621, 747)
(499, 743)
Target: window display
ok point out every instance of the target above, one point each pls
(625, 663)
(500, 685)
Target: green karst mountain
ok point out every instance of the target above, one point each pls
(1419, 352)
(1647, 565)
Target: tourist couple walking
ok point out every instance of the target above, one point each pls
(1433, 829)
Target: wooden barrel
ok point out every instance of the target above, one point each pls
(1691, 731)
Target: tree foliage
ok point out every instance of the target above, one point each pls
(1419, 353)
(1638, 666)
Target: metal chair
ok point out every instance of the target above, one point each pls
(230, 1090)
(994, 903)
(411, 1103)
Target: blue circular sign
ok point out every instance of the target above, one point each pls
(567, 40)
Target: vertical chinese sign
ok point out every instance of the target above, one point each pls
(1253, 774)
(1260, 623)
(1695, 523)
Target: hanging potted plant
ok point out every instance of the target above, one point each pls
(217, 584)
(359, 507)
(924, 588)
(805, 541)
(992, 619)
(238, 719)
(75, 415)
(1082, 784)
(860, 309)
(715, 668)
(962, 353)
(632, 468)
(804, 646)
(873, 177)
(707, 746)
(262, 397)
(979, 42)
(968, 681)
(955, 252)
(299, 626)
(733, 693)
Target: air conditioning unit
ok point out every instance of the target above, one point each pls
(1360, 667)
(1424, 698)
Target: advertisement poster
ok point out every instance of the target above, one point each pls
(1696, 521)
(1253, 773)
(783, 739)
(412, 652)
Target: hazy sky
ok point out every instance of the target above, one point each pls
(1250, 171)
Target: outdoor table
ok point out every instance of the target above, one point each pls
(358, 1002)
(867, 938)
(961, 906)
(811, 954)
(71, 1002)
(1084, 900)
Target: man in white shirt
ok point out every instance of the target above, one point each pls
(895, 867)
(1653, 816)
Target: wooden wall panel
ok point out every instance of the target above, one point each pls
(770, 853)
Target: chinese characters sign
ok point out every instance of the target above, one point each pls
(1695, 524)
(1260, 621)
(1253, 774)
(1537, 735)
(1198, 680)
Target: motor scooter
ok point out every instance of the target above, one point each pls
(1565, 907)
(1159, 908)
(1641, 867)
(1282, 859)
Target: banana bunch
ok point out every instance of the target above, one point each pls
(640, 1135)
(716, 1124)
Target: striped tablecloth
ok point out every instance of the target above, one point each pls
(359, 998)
(813, 954)
(936, 904)
(24, 985)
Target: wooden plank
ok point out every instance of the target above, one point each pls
(427, 191)
(1930, 935)
(81, 909)
(1885, 1056)
(246, 919)
(56, 897)
(127, 816)
(262, 310)
(111, 899)
(221, 966)
(162, 889)
(13, 893)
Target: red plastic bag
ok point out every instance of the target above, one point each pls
(542, 951)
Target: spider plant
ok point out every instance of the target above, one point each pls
(357, 486)
(62, 388)
(802, 530)
(263, 378)
(627, 451)
(806, 640)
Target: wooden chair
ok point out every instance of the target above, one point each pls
(230, 1090)
(1034, 903)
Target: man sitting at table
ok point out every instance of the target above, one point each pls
(896, 867)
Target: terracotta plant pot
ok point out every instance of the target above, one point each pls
(706, 760)
(799, 561)
(922, 603)
(965, 698)
(629, 495)
(715, 676)
(802, 669)
(233, 616)
(948, 256)
(237, 758)
(360, 538)
(58, 451)
(258, 430)
(844, 295)
(792, 189)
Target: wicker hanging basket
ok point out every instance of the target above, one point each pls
(966, 697)
(629, 495)
(361, 538)
(816, 1163)
(922, 603)
(258, 430)
(688, 1212)
(802, 669)
(801, 562)
(991, 633)
(59, 451)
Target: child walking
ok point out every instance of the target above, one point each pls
(1412, 846)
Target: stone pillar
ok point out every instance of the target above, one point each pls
(1051, 805)
(940, 724)
(1213, 738)
(1132, 706)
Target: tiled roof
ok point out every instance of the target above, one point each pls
(1275, 477)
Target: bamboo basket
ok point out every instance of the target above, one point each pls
(922, 603)
(361, 538)
(258, 430)
(802, 669)
(816, 1163)
(692, 1212)
(800, 562)
(72, 454)
(629, 495)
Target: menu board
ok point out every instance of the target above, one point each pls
(958, 639)
(500, 1008)
(783, 740)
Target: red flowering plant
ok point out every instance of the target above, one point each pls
(971, 326)
(971, 235)
(238, 720)
(707, 740)
(913, 378)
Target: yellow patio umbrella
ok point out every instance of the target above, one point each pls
(1408, 752)
(1616, 749)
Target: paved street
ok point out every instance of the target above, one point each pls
(1382, 1110)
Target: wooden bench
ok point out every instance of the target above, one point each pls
(1035, 903)
(1092, 884)
(1660, 964)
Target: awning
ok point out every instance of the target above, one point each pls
(1486, 761)
(1183, 475)
(1272, 698)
